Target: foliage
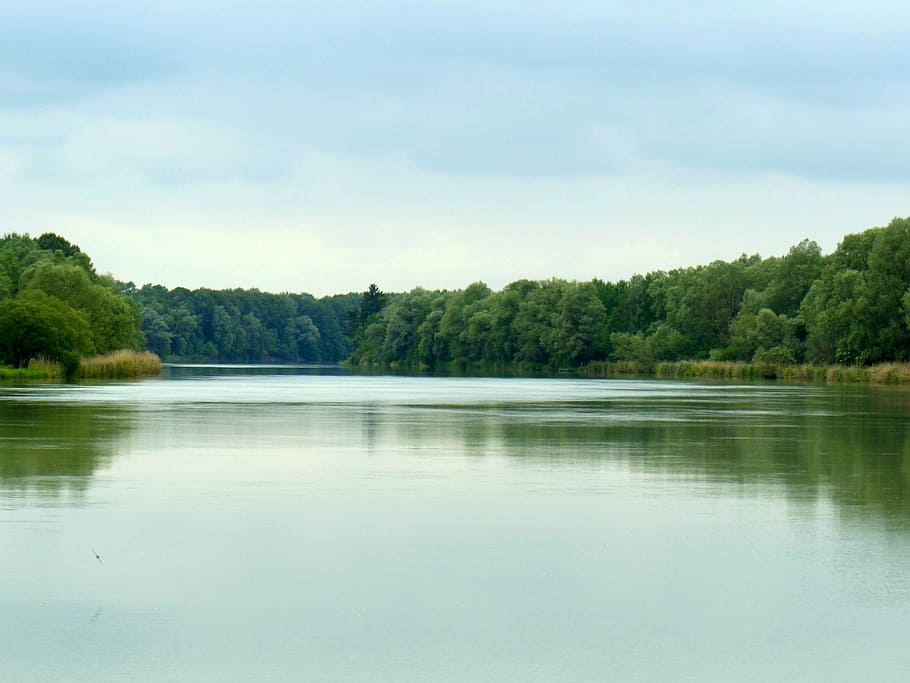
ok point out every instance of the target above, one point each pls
(35, 324)
(37, 369)
(246, 325)
(856, 311)
(112, 318)
(56, 306)
(850, 307)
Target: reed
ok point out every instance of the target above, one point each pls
(45, 368)
(884, 373)
(618, 368)
(37, 369)
(890, 373)
(847, 374)
(120, 364)
(802, 373)
(710, 369)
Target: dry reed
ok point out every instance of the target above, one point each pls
(884, 373)
(123, 363)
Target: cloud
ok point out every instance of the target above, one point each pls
(59, 51)
(437, 143)
(506, 88)
(340, 223)
(172, 151)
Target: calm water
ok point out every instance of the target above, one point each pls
(270, 524)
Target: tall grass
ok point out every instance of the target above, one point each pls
(885, 373)
(120, 364)
(46, 368)
(616, 368)
(890, 373)
(37, 369)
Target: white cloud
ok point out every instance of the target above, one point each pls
(393, 223)
(172, 151)
(326, 147)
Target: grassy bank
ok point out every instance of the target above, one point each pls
(38, 369)
(884, 373)
(116, 365)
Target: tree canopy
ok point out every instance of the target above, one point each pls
(55, 305)
(37, 325)
(246, 325)
(852, 306)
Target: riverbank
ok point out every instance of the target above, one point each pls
(883, 373)
(116, 365)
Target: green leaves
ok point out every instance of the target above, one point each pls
(856, 311)
(35, 325)
(55, 305)
(112, 318)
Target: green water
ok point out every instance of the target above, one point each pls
(275, 524)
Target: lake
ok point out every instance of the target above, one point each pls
(312, 524)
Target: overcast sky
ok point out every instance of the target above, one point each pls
(320, 147)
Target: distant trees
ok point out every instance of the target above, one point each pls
(527, 322)
(203, 325)
(850, 307)
(245, 325)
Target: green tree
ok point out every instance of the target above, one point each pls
(533, 325)
(430, 349)
(371, 303)
(702, 301)
(35, 325)
(763, 335)
(579, 326)
(401, 321)
(455, 345)
(793, 277)
(50, 241)
(113, 319)
(854, 312)
(834, 318)
(634, 347)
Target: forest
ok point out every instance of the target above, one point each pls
(850, 307)
(54, 305)
(245, 325)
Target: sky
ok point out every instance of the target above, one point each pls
(321, 147)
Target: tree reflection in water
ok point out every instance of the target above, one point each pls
(52, 450)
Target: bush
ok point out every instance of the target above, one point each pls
(776, 355)
(35, 325)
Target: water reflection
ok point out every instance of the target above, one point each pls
(53, 450)
(419, 529)
(849, 445)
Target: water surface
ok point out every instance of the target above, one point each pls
(310, 524)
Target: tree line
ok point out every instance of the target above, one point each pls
(54, 305)
(850, 307)
(245, 325)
